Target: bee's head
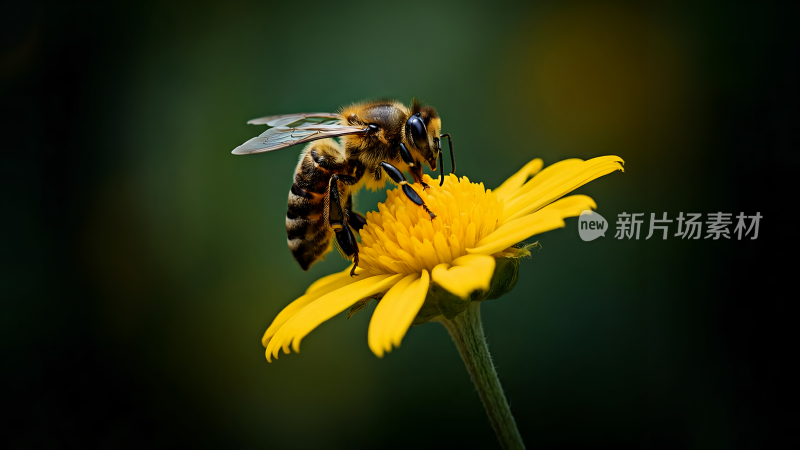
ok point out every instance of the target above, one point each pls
(422, 133)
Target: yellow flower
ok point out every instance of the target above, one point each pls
(404, 254)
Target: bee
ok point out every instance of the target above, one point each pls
(379, 139)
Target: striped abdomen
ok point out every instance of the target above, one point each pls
(308, 234)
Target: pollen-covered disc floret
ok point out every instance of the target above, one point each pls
(401, 238)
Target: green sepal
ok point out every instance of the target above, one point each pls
(429, 311)
(505, 277)
(449, 305)
(440, 302)
(361, 304)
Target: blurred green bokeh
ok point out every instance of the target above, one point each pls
(176, 250)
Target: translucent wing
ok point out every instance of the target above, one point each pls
(282, 137)
(297, 120)
(293, 129)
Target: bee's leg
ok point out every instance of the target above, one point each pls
(347, 242)
(416, 172)
(416, 167)
(399, 178)
(338, 222)
(354, 219)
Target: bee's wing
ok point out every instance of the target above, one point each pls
(297, 120)
(282, 137)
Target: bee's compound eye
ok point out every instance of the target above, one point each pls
(373, 128)
(417, 131)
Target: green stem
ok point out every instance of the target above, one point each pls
(467, 333)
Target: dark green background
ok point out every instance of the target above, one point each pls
(142, 262)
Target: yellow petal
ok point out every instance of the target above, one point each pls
(571, 206)
(516, 231)
(522, 229)
(571, 178)
(405, 314)
(324, 308)
(383, 314)
(327, 280)
(315, 291)
(549, 173)
(465, 274)
(396, 311)
(516, 181)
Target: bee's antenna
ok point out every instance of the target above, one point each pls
(441, 168)
(452, 156)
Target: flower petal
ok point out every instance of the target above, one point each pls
(465, 274)
(324, 282)
(382, 315)
(324, 308)
(516, 231)
(315, 291)
(404, 316)
(550, 172)
(524, 227)
(571, 206)
(516, 181)
(396, 311)
(572, 177)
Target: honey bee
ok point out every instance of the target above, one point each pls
(380, 137)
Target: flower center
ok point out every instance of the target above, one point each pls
(401, 237)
